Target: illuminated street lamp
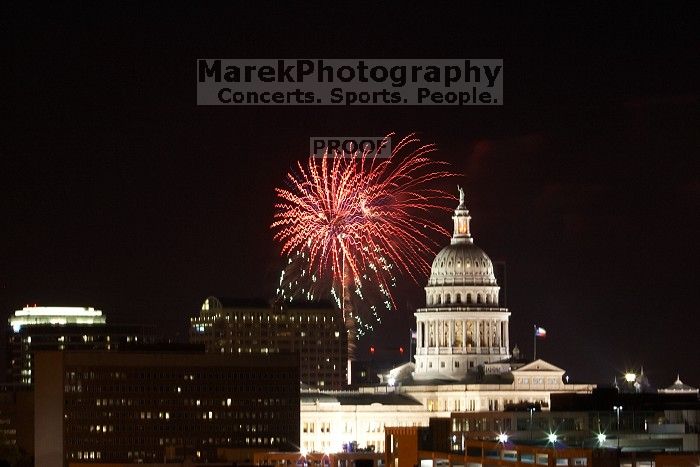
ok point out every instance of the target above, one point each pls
(552, 438)
(618, 409)
(601, 438)
(531, 410)
(502, 438)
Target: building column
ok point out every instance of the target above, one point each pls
(418, 334)
(445, 325)
(497, 337)
(502, 339)
(477, 336)
(464, 334)
(500, 333)
(436, 333)
(452, 333)
(486, 333)
(506, 341)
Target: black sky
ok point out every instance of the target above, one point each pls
(120, 193)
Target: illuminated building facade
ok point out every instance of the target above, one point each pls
(145, 407)
(329, 420)
(313, 330)
(463, 362)
(63, 328)
(679, 387)
(55, 316)
(462, 326)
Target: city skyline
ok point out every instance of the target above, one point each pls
(141, 204)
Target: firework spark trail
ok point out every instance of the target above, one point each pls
(363, 213)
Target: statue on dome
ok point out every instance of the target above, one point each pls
(461, 195)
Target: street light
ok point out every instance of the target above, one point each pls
(618, 409)
(552, 438)
(601, 438)
(502, 438)
(531, 410)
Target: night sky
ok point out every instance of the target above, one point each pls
(118, 192)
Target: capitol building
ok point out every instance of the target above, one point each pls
(463, 360)
(462, 327)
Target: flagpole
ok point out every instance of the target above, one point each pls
(534, 343)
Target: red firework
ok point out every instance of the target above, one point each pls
(352, 212)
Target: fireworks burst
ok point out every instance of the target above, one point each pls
(354, 219)
(368, 300)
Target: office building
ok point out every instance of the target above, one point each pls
(63, 328)
(314, 330)
(157, 406)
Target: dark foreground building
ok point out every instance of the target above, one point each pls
(144, 407)
(605, 428)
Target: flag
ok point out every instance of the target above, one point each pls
(413, 334)
(540, 332)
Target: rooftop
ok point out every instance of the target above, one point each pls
(55, 315)
(358, 398)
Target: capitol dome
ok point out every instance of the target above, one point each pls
(462, 264)
(462, 326)
(462, 274)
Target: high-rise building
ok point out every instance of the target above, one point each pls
(55, 316)
(313, 330)
(63, 328)
(154, 406)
